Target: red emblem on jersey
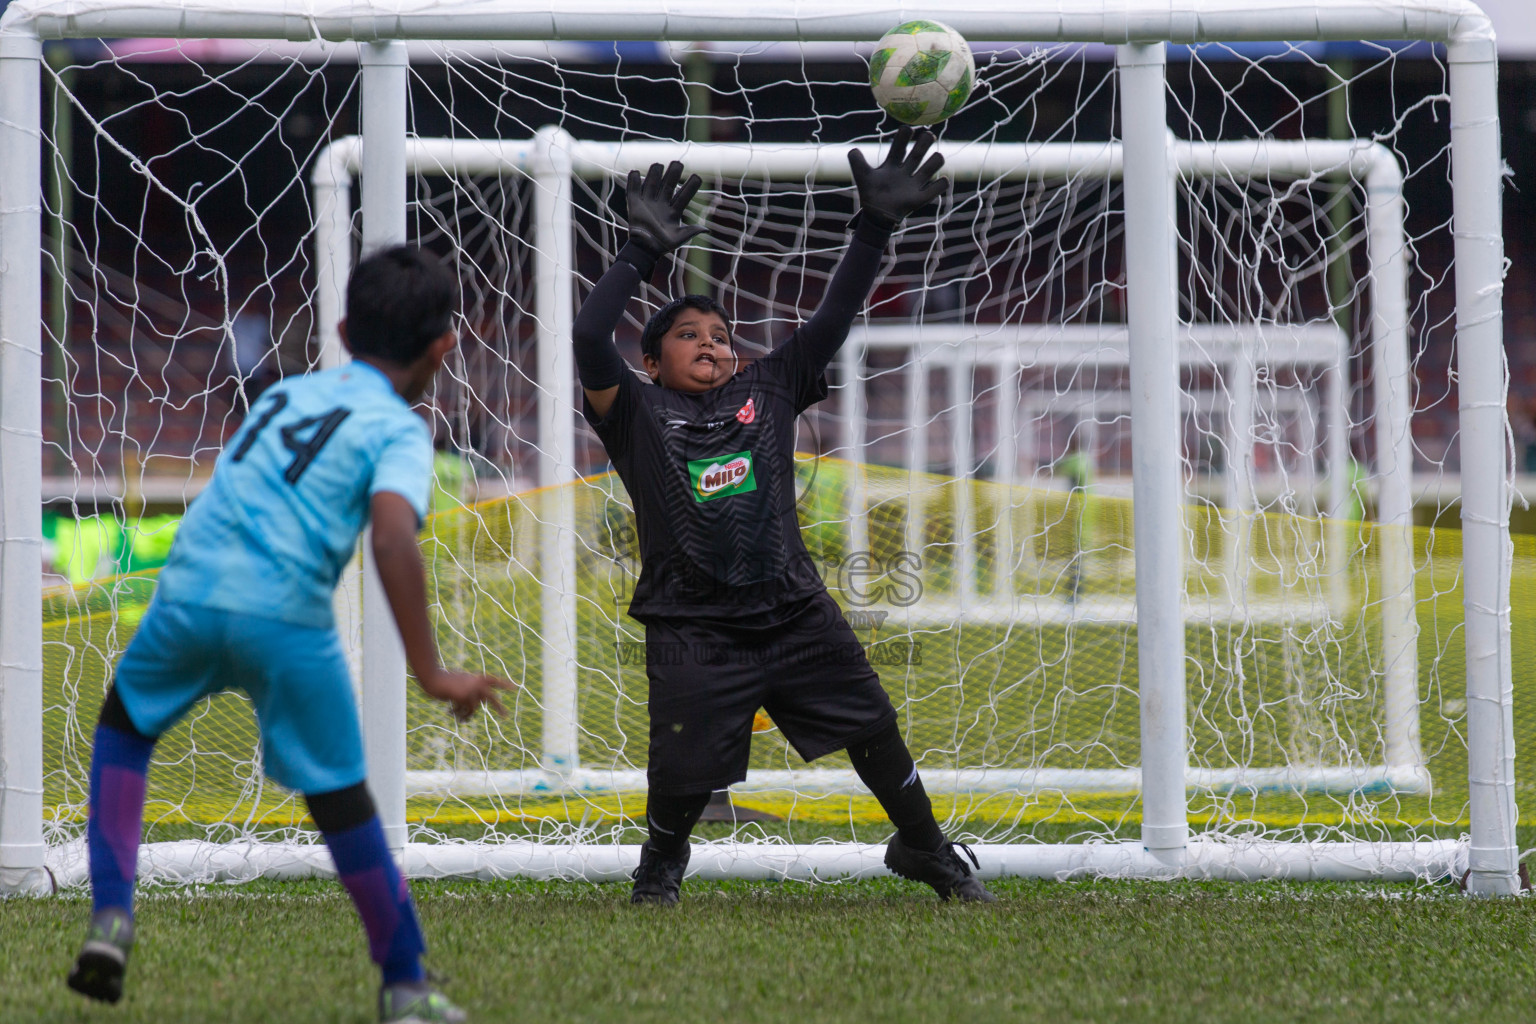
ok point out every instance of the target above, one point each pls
(747, 413)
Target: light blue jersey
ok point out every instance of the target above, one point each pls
(292, 491)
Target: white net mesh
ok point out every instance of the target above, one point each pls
(965, 489)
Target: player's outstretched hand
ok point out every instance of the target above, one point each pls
(656, 207)
(904, 183)
(466, 691)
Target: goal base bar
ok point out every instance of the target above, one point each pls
(190, 862)
(1365, 779)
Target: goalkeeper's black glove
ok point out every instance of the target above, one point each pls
(655, 215)
(903, 184)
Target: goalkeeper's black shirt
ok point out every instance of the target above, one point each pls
(712, 475)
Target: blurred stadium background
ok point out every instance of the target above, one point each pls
(229, 343)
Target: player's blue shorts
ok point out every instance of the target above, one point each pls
(296, 676)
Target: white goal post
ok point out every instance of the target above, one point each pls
(1150, 163)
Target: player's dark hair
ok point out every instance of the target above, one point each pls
(662, 320)
(399, 300)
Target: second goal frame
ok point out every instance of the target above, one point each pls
(553, 157)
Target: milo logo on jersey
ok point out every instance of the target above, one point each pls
(722, 476)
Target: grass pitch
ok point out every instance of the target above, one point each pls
(866, 951)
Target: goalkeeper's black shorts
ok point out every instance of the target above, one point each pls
(708, 678)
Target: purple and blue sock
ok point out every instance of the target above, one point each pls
(119, 768)
(382, 899)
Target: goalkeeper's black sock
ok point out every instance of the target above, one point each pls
(671, 818)
(885, 765)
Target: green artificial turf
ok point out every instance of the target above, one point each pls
(879, 950)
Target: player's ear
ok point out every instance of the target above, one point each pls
(652, 366)
(444, 344)
(341, 329)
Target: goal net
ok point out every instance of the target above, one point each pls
(969, 490)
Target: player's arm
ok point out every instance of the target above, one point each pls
(655, 206)
(598, 363)
(398, 558)
(888, 194)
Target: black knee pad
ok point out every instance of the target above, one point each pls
(115, 716)
(340, 809)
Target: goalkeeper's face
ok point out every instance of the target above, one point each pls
(696, 353)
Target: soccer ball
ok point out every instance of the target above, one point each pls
(921, 72)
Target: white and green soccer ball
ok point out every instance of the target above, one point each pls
(921, 72)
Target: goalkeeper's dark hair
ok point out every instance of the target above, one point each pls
(662, 320)
(399, 301)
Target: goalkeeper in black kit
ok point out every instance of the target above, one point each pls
(736, 616)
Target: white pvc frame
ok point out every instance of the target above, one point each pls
(554, 157)
(1139, 27)
(1237, 352)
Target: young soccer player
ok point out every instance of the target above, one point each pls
(736, 616)
(244, 602)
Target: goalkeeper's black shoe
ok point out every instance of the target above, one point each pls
(942, 868)
(659, 878)
(103, 960)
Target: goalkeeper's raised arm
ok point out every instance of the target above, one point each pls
(655, 207)
(888, 194)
